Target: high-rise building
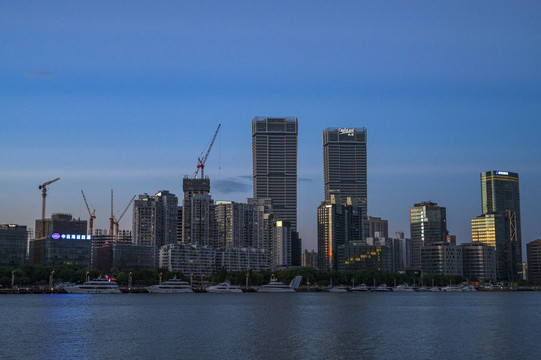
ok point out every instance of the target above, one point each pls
(500, 195)
(309, 259)
(274, 161)
(489, 229)
(339, 222)
(344, 164)
(155, 219)
(533, 251)
(376, 225)
(196, 210)
(428, 224)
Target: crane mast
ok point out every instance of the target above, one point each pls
(201, 161)
(43, 188)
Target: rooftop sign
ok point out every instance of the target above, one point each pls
(349, 132)
(57, 236)
(502, 173)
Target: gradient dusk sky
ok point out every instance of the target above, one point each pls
(125, 95)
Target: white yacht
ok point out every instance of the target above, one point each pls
(224, 287)
(96, 286)
(452, 288)
(403, 288)
(382, 288)
(339, 289)
(469, 288)
(173, 286)
(361, 287)
(276, 286)
(434, 289)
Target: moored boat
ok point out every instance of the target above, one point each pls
(173, 286)
(95, 286)
(276, 286)
(223, 288)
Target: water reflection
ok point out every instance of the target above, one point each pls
(271, 326)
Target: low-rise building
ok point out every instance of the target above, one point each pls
(191, 260)
(13, 245)
(237, 259)
(441, 258)
(113, 257)
(357, 255)
(479, 261)
(61, 249)
(533, 250)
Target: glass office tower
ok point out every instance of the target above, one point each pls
(500, 195)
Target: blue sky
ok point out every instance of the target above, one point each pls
(126, 95)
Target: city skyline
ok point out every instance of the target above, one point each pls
(446, 91)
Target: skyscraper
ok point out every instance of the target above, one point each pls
(428, 224)
(274, 161)
(344, 164)
(500, 195)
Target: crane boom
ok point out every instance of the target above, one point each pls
(201, 162)
(120, 218)
(43, 188)
(92, 215)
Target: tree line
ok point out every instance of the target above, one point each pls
(28, 275)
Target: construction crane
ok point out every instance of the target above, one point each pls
(116, 221)
(201, 162)
(112, 218)
(43, 188)
(91, 214)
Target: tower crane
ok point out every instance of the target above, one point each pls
(201, 161)
(91, 214)
(112, 218)
(120, 218)
(43, 188)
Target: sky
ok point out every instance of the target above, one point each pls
(126, 95)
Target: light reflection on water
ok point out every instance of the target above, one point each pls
(271, 326)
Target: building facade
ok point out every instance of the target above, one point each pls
(196, 211)
(441, 258)
(338, 224)
(428, 224)
(500, 195)
(113, 257)
(155, 219)
(478, 261)
(533, 251)
(191, 260)
(357, 255)
(62, 224)
(344, 164)
(309, 259)
(274, 163)
(13, 245)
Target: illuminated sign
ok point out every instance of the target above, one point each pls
(349, 132)
(502, 173)
(57, 236)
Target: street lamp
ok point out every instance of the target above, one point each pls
(51, 280)
(87, 275)
(161, 278)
